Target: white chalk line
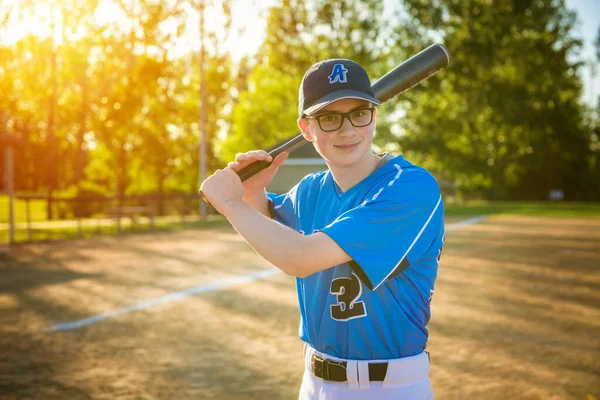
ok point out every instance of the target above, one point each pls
(466, 222)
(174, 296)
(181, 294)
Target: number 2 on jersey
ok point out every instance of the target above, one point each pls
(347, 290)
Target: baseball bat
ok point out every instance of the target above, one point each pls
(397, 81)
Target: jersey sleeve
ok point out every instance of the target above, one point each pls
(281, 207)
(392, 228)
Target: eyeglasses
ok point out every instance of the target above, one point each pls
(333, 121)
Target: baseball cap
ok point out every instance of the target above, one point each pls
(331, 80)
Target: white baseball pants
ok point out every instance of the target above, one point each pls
(406, 379)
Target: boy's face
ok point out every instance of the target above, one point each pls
(346, 146)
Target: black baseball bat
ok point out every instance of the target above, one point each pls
(400, 79)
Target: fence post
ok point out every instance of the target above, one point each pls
(28, 216)
(152, 212)
(8, 168)
(78, 217)
(119, 214)
(98, 223)
(182, 211)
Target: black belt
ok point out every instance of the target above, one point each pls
(335, 371)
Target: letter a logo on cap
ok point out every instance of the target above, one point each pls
(338, 74)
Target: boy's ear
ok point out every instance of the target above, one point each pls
(303, 125)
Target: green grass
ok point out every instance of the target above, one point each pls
(90, 229)
(37, 209)
(531, 209)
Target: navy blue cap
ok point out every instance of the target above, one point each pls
(331, 80)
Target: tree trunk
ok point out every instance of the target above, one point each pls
(122, 175)
(79, 167)
(161, 190)
(50, 145)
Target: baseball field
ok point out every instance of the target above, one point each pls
(196, 314)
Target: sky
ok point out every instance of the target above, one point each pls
(589, 17)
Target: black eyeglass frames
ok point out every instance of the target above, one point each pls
(333, 121)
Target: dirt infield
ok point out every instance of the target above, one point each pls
(515, 316)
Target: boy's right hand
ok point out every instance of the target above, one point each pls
(257, 183)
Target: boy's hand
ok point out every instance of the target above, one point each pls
(257, 183)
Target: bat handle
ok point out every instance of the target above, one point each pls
(252, 169)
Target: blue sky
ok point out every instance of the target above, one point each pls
(589, 22)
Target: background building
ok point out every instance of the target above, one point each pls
(300, 163)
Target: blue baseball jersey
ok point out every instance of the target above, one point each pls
(391, 223)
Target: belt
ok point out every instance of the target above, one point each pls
(335, 371)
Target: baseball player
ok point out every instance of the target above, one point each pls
(363, 240)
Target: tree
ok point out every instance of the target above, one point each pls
(597, 44)
(23, 83)
(111, 101)
(505, 120)
(594, 124)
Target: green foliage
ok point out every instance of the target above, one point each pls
(527, 209)
(299, 34)
(505, 121)
(109, 109)
(506, 117)
(37, 210)
(597, 45)
(119, 111)
(264, 115)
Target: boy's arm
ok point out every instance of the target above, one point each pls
(254, 187)
(295, 254)
(258, 201)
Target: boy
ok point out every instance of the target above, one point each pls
(363, 240)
